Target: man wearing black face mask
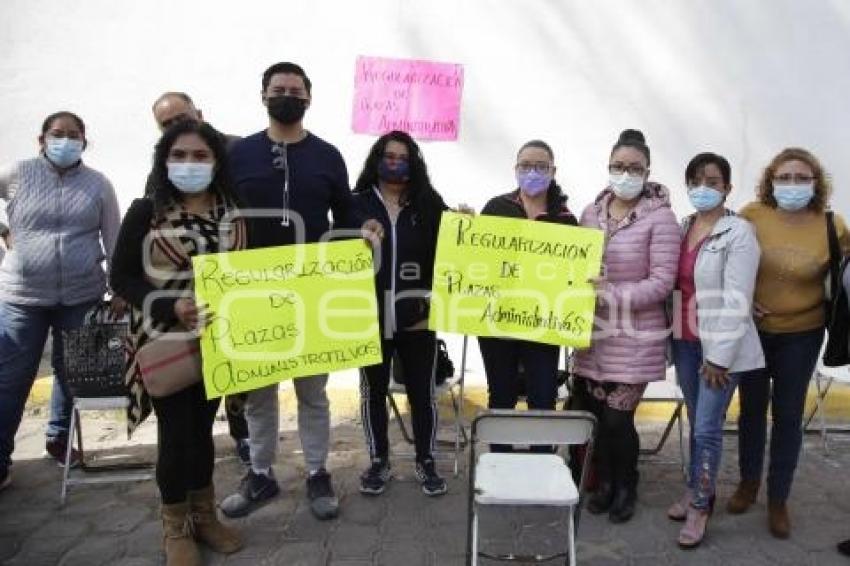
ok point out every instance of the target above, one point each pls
(288, 180)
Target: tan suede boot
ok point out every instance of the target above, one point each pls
(180, 547)
(208, 529)
(778, 520)
(744, 496)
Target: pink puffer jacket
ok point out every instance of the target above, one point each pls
(641, 259)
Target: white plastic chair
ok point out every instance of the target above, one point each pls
(824, 379)
(526, 478)
(454, 387)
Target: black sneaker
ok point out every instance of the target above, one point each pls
(253, 490)
(243, 450)
(323, 501)
(374, 480)
(5, 477)
(432, 483)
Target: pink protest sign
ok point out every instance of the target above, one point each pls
(421, 98)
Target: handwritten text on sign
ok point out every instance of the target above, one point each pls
(515, 278)
(286, 312)
(421, 98)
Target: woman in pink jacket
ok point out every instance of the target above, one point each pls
(630, 333)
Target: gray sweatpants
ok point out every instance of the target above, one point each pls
(262, 412)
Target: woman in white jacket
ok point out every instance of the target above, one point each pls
(715, 342)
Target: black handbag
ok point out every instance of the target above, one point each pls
(94, 356)
(837, 351)
(445, 367)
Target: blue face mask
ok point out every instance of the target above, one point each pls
(63, 152)
(793, 197)
(705, 198)
(190, 177)
(625, 186)
(533, 183)
(400, 173)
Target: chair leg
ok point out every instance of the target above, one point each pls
(571, 560)
(682, 453)
(394, 408)
(69, 446)
(474, 553)
(819, 409)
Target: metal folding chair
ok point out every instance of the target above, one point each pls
(825, 377)
(105, 473)
(668, 391)
(518, 479)
(454, 387)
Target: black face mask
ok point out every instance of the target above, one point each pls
(287, 109)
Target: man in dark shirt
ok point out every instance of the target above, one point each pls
(287, 180)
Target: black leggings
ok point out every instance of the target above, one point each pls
(417, 353)
(617, 445)
(186, 451)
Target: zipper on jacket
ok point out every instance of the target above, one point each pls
(392, 256)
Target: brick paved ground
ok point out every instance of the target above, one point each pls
(118, 524)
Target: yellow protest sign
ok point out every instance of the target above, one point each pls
(286, 312)
(515, 278)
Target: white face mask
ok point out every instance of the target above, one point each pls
(190, 177)
(625, 186)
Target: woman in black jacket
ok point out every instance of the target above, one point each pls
(191, 210)
(538, 197)
(395, 189)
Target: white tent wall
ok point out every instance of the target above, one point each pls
(744, 79)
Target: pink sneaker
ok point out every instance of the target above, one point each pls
(679, 510)
(693, 532)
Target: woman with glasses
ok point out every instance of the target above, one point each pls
(790, 220)
(61, 222)
(394, 188)
(715, 342)
(628, 345)
(537, 197)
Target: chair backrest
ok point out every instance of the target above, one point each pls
(504, 426)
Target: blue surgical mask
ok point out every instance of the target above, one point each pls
(533, 183)
(190, 177)
(793, 197)
(705, 198)
(626, 186)
(63, 152)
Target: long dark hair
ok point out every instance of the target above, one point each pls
(164, 191)
(419, 194)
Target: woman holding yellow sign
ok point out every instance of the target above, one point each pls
(190, 209)
(395, 189)
(629, 340)
(537, 197)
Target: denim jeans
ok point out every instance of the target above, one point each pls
(706, 412)
(23, 333)
(791, 358)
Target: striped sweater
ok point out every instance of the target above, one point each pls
(62, 229)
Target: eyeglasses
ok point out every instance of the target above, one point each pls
(796, 179)
(633, 169)
(538, 166)
(390, 156)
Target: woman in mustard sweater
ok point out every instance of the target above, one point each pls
(790, 222)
